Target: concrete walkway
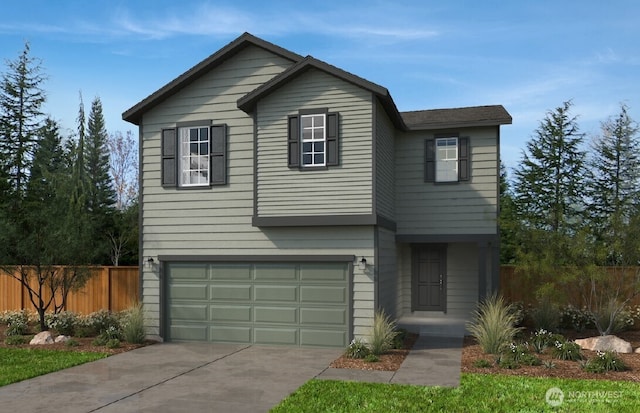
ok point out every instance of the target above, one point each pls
(191, 377)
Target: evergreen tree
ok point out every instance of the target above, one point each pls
(509, 223)
(101, 195)
(549, 182)
(21, 100)
(614, 181)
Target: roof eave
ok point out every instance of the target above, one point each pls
(134, 114)
(451, 125)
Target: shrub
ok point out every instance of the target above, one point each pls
(133, 324)
(506, 362)
(101, 321)
(546, 316)
(371, 358)
(64, 323)
(113, 343)
(15, 340)
(493, 325)
(17, 323)
(604, 361)
(549, 364)
(111, 333)
(521, 354)
(575, 318)
(541, 340)
(382, 333)
(72, 343)
(607, 323)
(566, 350)
(357, 349)
(398, 340)
(482, 364)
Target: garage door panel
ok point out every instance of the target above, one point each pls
(231, 272)
(188, 292)
(188, 312)
(191, 271)
(286, 293)
(323, 294)
(288, 315)
(190, 333)
(231, 334)
(230, 313)
(287, 336)
(324, 316)
(230, 292)
(323, 338)
(282, 272)
(323, 272)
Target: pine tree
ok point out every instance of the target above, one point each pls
(509, 223)
(21, 100)
(549, 182)
(101, 195)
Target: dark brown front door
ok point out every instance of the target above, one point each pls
(429, 278)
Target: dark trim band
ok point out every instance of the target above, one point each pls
(323, 220)
(445, 238)
(256, 258)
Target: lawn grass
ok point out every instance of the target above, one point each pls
(477, 393)
(20, 364)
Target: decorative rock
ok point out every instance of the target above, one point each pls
(605, 343)
(637, 350)
(44, 337)
(62, 339)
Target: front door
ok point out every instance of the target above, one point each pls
(429, 277)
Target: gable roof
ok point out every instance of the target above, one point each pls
(134, 114)
(457, 117)
(248, 102)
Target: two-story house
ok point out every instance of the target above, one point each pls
(283, 200)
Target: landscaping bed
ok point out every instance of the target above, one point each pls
(472, 353)
(389, 361)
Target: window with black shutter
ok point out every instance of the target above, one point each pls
(447, 159)
(313, 139)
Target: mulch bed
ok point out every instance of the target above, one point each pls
(84, 344)
(564, 369)
(389, 361)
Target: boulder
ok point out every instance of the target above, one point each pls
(62, 339)
(637, 350)
(605, 343)
(44, 337)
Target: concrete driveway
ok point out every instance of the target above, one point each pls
(173, 377)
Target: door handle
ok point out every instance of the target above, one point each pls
(441, 281)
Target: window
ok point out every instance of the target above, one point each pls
(194, 155)
(313, 139)
(447, 159)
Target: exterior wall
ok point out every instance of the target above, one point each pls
(384, 166)
(217, 220)
(345, 189)
(457, 208)
(462, 281)
(387, 273)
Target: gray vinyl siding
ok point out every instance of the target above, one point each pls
(338, 190)
(385, 171)
(387, 272)
(462, 281)
(458, 208)
(217, 221)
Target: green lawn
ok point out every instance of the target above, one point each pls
(477, 393)
(17, 364)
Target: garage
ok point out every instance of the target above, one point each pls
(300, 304)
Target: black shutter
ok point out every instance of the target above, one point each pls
(218, 155)
(168, 166)
(464, 159)
(294, 141)
(430, 160)
(333, 142)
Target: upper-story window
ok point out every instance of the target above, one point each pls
(447, 159)
(313, 139)
(194, 155)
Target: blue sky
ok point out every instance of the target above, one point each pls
(529, 56)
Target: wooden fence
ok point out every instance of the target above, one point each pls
(110, 288)
(516, 287)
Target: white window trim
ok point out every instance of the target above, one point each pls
(183, 145)
(451, 172)
(313, 139)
